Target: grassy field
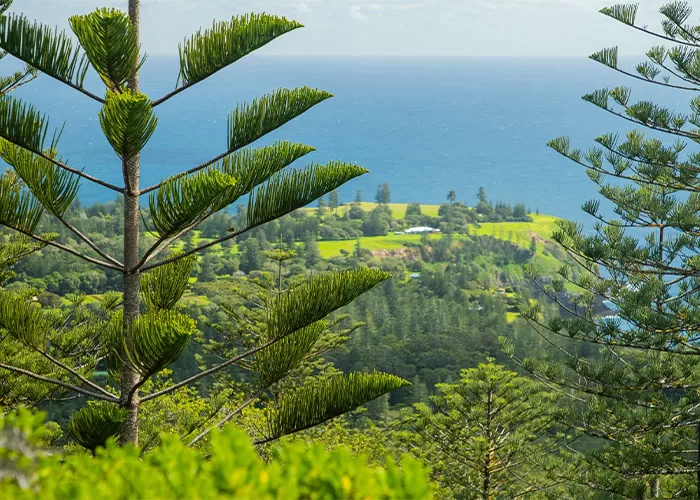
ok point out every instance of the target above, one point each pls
(373, 243)
(398, 210)
(520, 233)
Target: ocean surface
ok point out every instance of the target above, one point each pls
(425, 126)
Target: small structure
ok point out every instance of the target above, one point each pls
(421, 229)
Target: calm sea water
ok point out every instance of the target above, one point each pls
(425, 126)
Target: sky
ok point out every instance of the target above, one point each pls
(435, 28)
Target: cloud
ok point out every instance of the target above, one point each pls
(379, 27)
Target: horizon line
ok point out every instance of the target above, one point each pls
(412, 56)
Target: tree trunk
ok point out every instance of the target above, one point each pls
(132, 297)
(655, 488)
(697, 462)
(486, 484)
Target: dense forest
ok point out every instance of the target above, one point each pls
(239, 329)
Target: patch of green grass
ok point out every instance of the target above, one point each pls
(373, 243)
(199, 300)
(521, 233)
(398, 210)
(511, 316)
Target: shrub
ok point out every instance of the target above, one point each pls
(231, 469)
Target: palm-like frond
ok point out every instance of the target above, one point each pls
(276, 361)
(16, 79)
(54, 187)
(291, 189)
(110, 42)
(24, 320)
(162, 287)
(317, 297)
(253, 166)
(625, 13)
(23, 125)
(46, 49)
(18, 208)
(128, 122)
(249, 122)
(94, 424)
(209, 51)
(323, 400)
(157, 339)
(13, 250)
(182, 202)
(607, 56)
(4, 5)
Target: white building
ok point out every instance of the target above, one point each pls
(421, 229)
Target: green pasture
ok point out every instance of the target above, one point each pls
(398, 210)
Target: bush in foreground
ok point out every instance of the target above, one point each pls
(232, 468)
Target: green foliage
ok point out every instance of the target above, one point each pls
(11, 251)
(18, 208)
(128, 122)
(207, 52)
(607, 57)
(253, 166)
(625, 13)
(183, 202)
(489, 434)
(23, 320)
(136, 345)
(22, 434)
(94, 424)
(23, 125)
(291, 189)
(232, 469)
(162, 287)
(109, 40)
(52, 186)
(249, 122)
(275, 362)
(50, 51)
(322, 400)
(632, 378)
(317, 297)
(157, 339)
(4, 5)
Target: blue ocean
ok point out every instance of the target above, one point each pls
(425, 126)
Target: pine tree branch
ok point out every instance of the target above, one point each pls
(175, 92)
(224, 420)
(72, 85)
(162, 244)
(193, 170)
(76, 374)
(59, 383)
(693, 349)
(648, 182)
(652, 126)
(19, 82)
(90, 243)
(72, 170)
(144, 267)
(66, 249)
(210, 371)
(688, 76)
(663, 37)
(682, 28)
(647, 80)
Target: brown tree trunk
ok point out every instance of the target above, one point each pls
(132, 298)
(486, 483)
